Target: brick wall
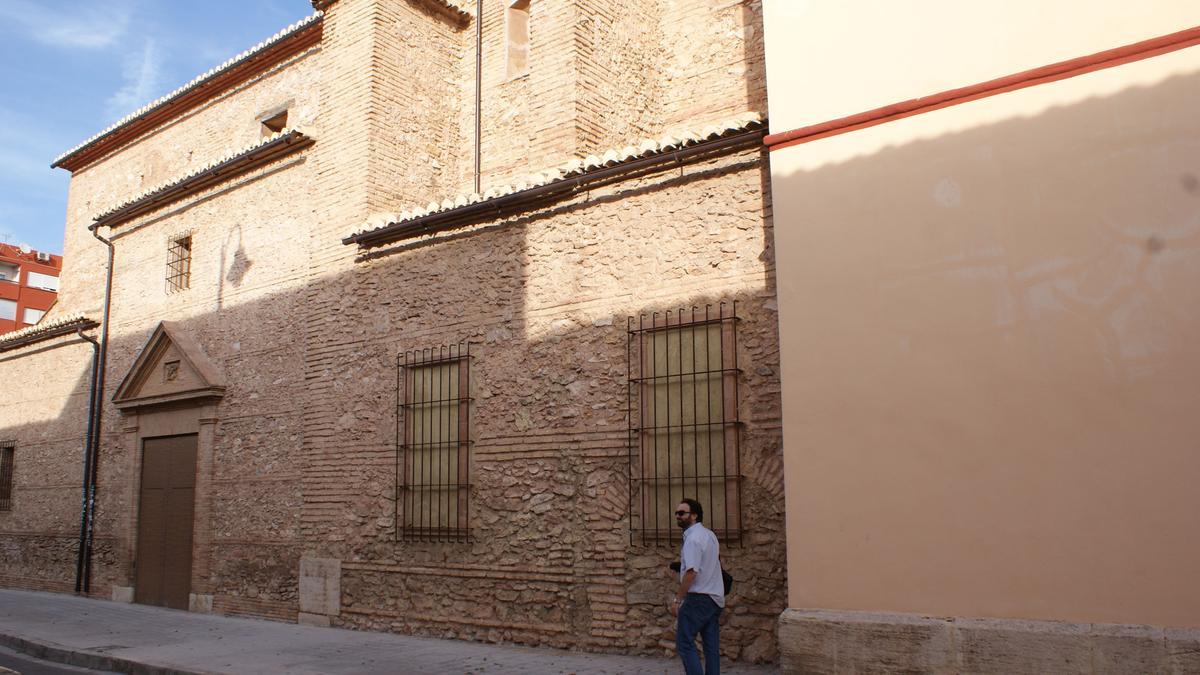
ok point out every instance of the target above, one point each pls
(40, 534)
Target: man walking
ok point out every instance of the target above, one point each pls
(701, 593)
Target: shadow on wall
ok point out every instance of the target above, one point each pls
(305, 451)
(992, 335)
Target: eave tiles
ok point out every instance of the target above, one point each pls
(295, 134)
(674, 140)
(459, 7)
(48, 329)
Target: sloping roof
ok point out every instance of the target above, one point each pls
(208, 78)
(229, 165)
(571, 171)
(459, 7)
(45, 330)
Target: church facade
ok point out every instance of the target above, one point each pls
(422, 322)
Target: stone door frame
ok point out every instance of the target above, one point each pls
(190, 409)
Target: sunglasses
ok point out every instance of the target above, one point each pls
(681, 514)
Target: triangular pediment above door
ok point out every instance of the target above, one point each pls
(171, 368)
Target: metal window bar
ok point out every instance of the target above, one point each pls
(179, 264)
(433, 459)
(684, 428)
(7, 452)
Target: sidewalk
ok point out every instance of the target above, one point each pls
(133, 638)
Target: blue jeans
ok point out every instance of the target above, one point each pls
(699, 615)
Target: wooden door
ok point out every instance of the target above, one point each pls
(164, 546)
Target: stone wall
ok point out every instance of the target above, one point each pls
(544, 299)
(44, 411)
(214, 129)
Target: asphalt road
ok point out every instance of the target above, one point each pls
(15, 662)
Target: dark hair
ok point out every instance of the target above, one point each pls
(695, 507)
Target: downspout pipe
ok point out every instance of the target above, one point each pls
(478, 95)
(88, 528)
(87, 457)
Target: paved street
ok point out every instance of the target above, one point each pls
(123, 637)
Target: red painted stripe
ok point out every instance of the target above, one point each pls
(1028, 78)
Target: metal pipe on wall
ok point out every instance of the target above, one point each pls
(87, 458)
(478, 95)
(91, 460)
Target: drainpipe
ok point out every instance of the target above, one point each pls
(83, 580)
(478, 93)
(87, 458)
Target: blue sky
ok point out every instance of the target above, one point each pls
(70, 68)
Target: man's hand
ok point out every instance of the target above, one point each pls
(684, 586)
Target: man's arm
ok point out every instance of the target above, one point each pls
(684, 585)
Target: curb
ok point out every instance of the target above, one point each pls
(48, 651)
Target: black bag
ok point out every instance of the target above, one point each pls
(726, 577)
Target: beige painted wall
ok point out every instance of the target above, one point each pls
(989, 324)
(831, 59)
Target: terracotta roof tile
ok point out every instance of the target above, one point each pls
(644, 148)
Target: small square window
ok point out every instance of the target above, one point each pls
(179, 264)
(275, 123)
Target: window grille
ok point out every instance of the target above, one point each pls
(683, 421)
(7, 451)
(433, 444)
(179, 264)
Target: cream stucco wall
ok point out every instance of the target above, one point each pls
(832, 59)
(989, 316)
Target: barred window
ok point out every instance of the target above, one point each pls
(179, 264)
(683, 421)
(433, 461)
(7, 451)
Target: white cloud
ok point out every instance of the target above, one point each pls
(75, 25)
(143, 76)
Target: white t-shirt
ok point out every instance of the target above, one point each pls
(702, 553)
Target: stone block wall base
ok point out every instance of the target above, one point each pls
(306, 619)
(321, 586)
(122, 593)
(200, 603)
(831, 641)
